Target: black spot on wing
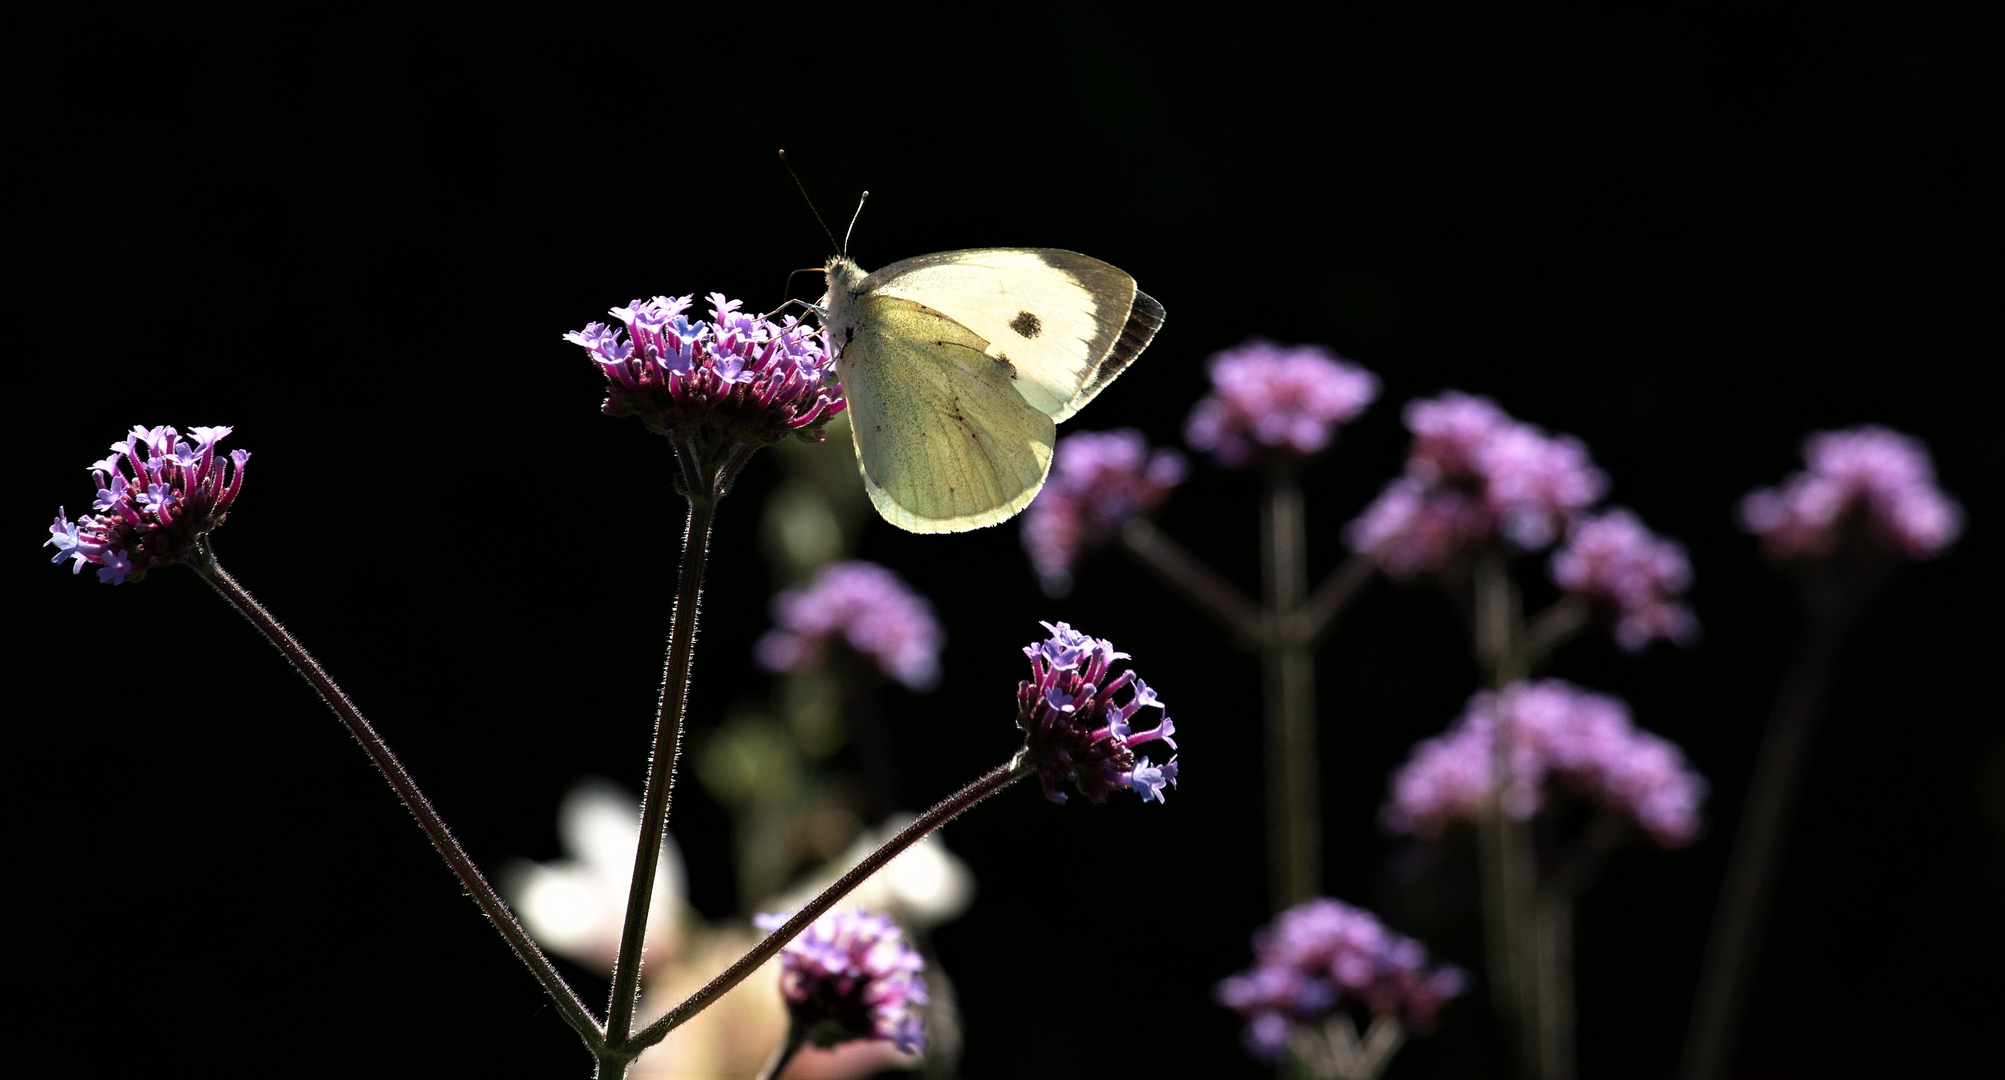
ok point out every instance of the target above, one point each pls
(1027, 325)
(1145, 317)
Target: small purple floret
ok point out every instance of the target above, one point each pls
(850, 976)
(1561, 737)
(1271, 402)
(861, 605)
(175, 495)
(1323, 955)
(737, 379)
(1099, 479)
(1076, 716)
(1881, 478)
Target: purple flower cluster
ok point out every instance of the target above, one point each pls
(850, 975)
(156, 515)
(861, 605)
(1271, 401)
(1880, 477)
(1473, 473)
(1322, 954)
(1559, 736)
(1076, 732)
(1099, 479)
(1635, 574)
(735, 380)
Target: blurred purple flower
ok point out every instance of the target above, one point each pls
(1612, 560)
(1099, 479)
(861, 605)
(849, 976)
(1319, 956)
(1276, 401)
(176, 494)
(1882, 476)
(734, 380)
(1077, 732)
(1473, 473)
(1560, 736)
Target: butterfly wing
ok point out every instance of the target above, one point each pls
(1064, 323)
(944, 442)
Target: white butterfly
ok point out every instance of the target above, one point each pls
(958, 365)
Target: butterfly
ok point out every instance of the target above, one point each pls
(959, 365)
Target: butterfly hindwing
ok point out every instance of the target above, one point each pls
(944, 440)
(1065, 324)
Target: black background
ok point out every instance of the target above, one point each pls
(1688, 234)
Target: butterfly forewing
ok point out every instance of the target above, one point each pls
(944, 440)
(1064, 324)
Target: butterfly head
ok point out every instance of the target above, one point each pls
(837, 307)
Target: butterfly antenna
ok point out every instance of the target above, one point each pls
(852, 222)
(811, 202)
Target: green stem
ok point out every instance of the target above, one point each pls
(567, 1001)
(1295, 838)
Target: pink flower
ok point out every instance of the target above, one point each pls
(1634, 574)
(850, 976)
(1473, 474)
(861, 605)
(1099, 479)
(1561, 738)
(1321, 954)
(1882, 477)
(1272, 401)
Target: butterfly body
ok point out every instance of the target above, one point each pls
(957, 366)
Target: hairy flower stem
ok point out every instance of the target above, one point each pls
(667, 750)
(568, 1003)
(1294, 857)
(1751, 869)
(948, 809)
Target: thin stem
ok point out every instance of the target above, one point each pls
(1294, 834)
(667, 750)
(948, 809)
(1552, 962)
(568, 1003)
(1334, 594)
(1551, 628)
(1751, 869)
(1509, 873)
(783, 1053)
(1181, 570)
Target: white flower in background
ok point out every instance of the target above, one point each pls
(921, 889)
(575, 907)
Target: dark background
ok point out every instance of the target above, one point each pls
(1688, 235)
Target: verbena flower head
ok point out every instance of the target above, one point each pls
(1473, 474)
(1076, 716)
(863, 606)
(1560, 737)
(1632, 573)
(1271, 401)
(1321, 956)
(158, 494)
(850, 975)
(1881, 478)
(737, 379)
(1099, 479)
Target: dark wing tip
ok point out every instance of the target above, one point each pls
(1145, 317)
